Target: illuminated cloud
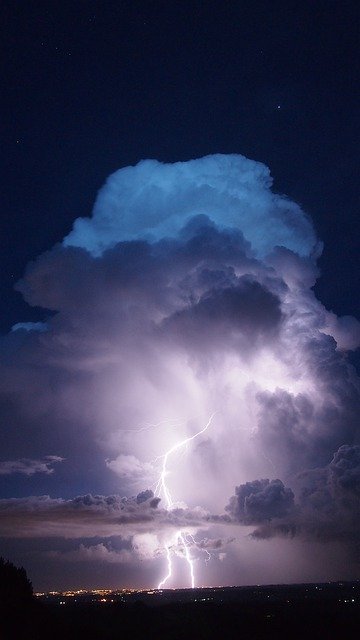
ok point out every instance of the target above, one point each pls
(189, 292)
(153, 200)
(30, 326)
(129, 468)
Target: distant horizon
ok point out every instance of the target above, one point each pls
(158, 591)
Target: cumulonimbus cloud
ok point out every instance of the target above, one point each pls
(88, 516)
(188, 292)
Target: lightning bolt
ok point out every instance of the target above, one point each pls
(150, 425)
(180, 537)
(195, 543)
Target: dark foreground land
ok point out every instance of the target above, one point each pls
(303, 612)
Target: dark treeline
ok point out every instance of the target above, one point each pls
(14, 584)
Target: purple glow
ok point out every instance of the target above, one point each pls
(162, 488)
(189, 289)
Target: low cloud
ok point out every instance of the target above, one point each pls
(86, 516)
(93, 553)
(29, 467)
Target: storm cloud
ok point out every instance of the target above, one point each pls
(327, 506)
(260, 500)
(187, 293)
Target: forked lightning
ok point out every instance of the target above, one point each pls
(180, 538)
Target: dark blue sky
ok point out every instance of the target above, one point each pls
(91, 86)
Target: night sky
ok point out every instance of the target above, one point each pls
(199, 297)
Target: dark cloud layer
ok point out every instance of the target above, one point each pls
(88, 515)
(327, 505)
(260, 500)
(28, 466)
